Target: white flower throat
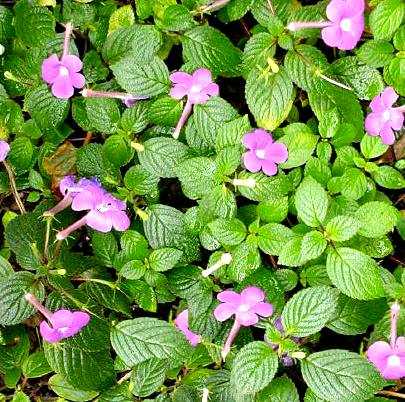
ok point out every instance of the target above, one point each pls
(260, 153)
(63, 71)
(346, 24)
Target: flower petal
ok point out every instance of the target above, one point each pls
(72, 63)
(336, 10)
(263, 309)
(178, 91)
(224, 311)
(181, 78)
(49, 334)
(269, 168)
(62, 88)
(394, 372)
(257, 139)
(212, 89)
(387, 135)
(202, 77)
(229, 296)
(252, 162)
(80, 319)
(85, 200)
(252, 295)
(50, 69)
(247, 318)
(120, 220)
(332, 35)
(62, 318)
(78, 80)
(277, 152)
(378, 354)
(373, 123)
(389, 97)
(97, 220)
(397, 119)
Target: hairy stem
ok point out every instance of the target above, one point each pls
(229, 340)
(66, 40)
(37, 304)
(296, 26)
(14, 190)
(183, 118)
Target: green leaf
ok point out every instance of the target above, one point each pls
(290, 254)
(229, 232)
(161, 155)
(375, 53)
(342, 228)
(376, 218)
(103, 114)
(197, 176)
(44, 108)
(309, 310)
(355, 316)
(133, 246)
(93, 68)
(140, 41)
(245, 261)
(272, 238)
(386, 18)
(122, 17)
(35, 365)
(273, 210)
(258, 49)
(5, 268)
(388, 177)
(269, 97)
(177, 18)
(63, 389)
(393, 74)
(105, 247)
(148, 376)
(339, 375)
(313, 245)
(355, 274)
(21, 154)
(230, 134)
(142, 78)
(281, 389)
(33, 25)
(353, 183)
(311, 202)
(300, 143)
(84, 360)
(135, 119)
(141, 339)
(164, 259)
(13, 307)
(205, 46)
(372, 147)
(140, 181)
(253, 368)
(117, 150)
(165, 111)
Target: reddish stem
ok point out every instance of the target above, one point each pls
(40, 307)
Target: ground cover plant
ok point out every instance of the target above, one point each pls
(202, 200)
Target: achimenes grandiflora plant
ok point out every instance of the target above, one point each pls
(202, 200)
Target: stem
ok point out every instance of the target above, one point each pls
(125, 377)
(205, 395)
(251, 183)
(47, 234)
(63, 234)
(395, 308)
(14, 187)
(225, 259)
(216, 5)
(231, 337)
(183, 118)
(68, 33)
(271, 7)
(332, 81)
(90, 93)
(60, 206)
(111, 285)
(391, 393)
(295, 26)
(40, 307)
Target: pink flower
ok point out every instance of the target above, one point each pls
(247, 307)
(4, 150)
(105, 212)
(128, 100)
(63, 74)
(198, 88)
(389, 358)
(264, 154)
(384, 118)
(61, 324)
(345, 25)
(181, 323)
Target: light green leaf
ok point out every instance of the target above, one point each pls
(122, 17)
(375, 53)
(300, 143)
(388, 177)
(63, 389)
(140, 339)
(355, 274)
(205, 46)
(164, 259)
(258, 49)
(386, 18)
(309, 310)
(273, 210)
(35, 365)
(148, 376)
(229, 232)
(342, 228)
(313, 245)
(376, 218)
(269, 97)
(338, 375)
(103, 114)
(253, 368)
(372, 147)
(245, 260)
(311, 202)
(281, 389)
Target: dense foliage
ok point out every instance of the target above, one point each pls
(309, 244)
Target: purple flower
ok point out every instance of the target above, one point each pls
(384, 118)
(69, 188)
(181, 323)
(4, 150)
(198, 88)
(345, 25)
(61, 324)
(264, 154)
(389, 358)
(105, 211)
(63, 74)
(247, 307)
